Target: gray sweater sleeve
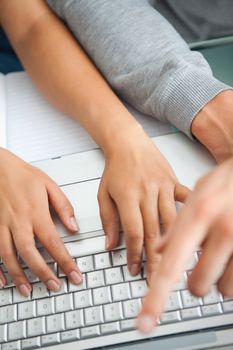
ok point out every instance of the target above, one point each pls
(143, 58)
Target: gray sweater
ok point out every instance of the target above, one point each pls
(143, 57)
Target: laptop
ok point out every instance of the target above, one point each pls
(105, 305)
(100, 313)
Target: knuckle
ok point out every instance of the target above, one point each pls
(54, 242)
(151, 236)
(133, 234)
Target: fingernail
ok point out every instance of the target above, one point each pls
(53, 286)
(145, 324)
(74, 223)
(24, 290)
(134, 270)
(1, 284)
(75, 277)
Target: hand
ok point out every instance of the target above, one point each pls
(138, 188)
(25, 193)
(206, 221)
(217, 118)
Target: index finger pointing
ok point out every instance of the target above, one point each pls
(186, 234)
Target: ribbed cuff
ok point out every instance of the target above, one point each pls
(186, 94)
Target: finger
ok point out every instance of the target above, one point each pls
(225, 283)
(25, 244)
(132, 224)
(167, 208)
(109, 217)
(186, 234)
(181, 193)
(151, 234)
(215, 255)
(9, 258)
(50, 239)
(62, 206)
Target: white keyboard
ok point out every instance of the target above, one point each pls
(102, 310)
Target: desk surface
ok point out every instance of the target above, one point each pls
(220, 59)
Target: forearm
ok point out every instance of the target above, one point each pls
(143, 57)
(63, 72)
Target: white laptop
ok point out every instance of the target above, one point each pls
(105, 306)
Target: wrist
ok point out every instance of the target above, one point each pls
(213, 126)
(122, 137)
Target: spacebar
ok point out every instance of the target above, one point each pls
(88, 246)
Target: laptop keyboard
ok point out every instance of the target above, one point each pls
(107, 302)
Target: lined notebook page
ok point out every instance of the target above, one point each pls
(37, 131)
(2, 111)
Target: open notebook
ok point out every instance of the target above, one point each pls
(34, 130)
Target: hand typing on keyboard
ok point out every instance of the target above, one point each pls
(204, 221)
(25, 195)
(138, 188)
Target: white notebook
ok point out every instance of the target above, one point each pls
(34, 130)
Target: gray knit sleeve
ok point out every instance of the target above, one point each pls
(143, 58)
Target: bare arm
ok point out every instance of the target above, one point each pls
(137, 184)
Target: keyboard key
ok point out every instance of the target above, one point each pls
(120, 291)
(26, 310)
(31, 343)
(190, 300)
(102, 295)
(227, 306)
(39, 290)
(138, 289)
(174, 302)
(18, 297)
(69, 336)
(127, 325)
(45, 306)
(64, 303)
(50, 339)
(95, 279)
(131, 308)
(192, 313)
(90, 332)
(113, 312)
(55, 323)
(76, 287)
(113, 275)
(110, 328)
(74, 319)
(119, 257)
(14, 345)
(82, 299)
(212, 309)
(102, 261)
(8, 314)
(36, 326)
(93, 315)
(128, 277)
(17, 330)
(213, 296)
(32, 278)
(170, 317)
(85, 263)
(3, 333)
(182, 283)
(63, 288)
(5, 297)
